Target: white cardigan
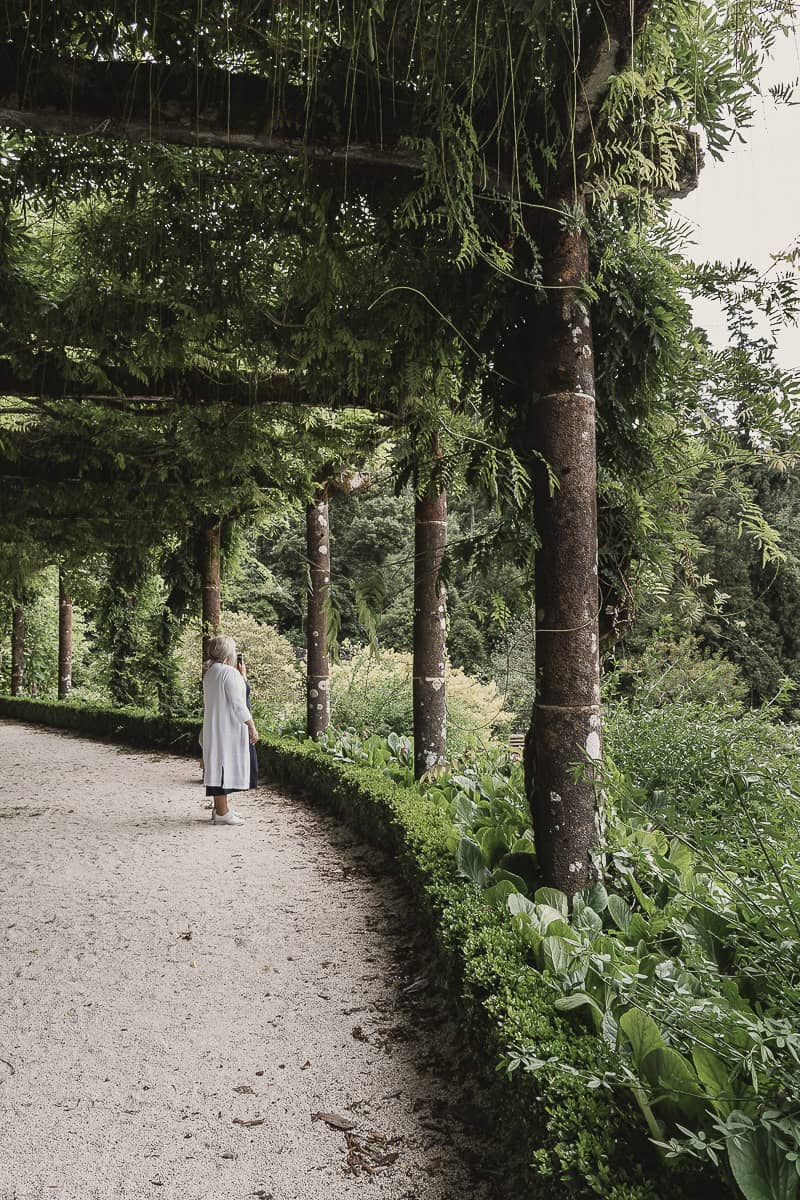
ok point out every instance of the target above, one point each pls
(226, 739)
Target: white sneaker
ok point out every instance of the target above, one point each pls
(230, 818)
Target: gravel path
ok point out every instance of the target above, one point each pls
(178, 1001)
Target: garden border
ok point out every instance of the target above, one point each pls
(572, 1143)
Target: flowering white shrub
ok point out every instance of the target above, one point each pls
(274, 674)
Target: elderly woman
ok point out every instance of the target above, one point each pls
(228, 730)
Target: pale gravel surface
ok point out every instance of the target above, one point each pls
(124, 1043)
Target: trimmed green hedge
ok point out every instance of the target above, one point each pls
(574, 1143)
(131, 726)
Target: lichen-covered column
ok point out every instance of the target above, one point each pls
(318, 706)
(64, 637)
(210, 574)
(17, 649)
(430, 636)
(566, 717)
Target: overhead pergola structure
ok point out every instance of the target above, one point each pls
(75, 379)
(60, 385)
(177, 105)
(138, 489)
(173, 387)
(504, 134)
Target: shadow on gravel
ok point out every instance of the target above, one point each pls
(456, 1120)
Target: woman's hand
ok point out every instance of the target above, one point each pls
(253, 733)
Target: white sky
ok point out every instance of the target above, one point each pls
(748, 205)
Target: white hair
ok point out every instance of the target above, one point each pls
(222, 650)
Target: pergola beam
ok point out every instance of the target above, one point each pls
(47, 383)
(208, 107)
(179, 105)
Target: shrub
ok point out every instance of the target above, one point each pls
(571, 1141)
(272, 669)
(131, 726)
(513, 667)
(674, 668)
(687, 963)
(373, 693)
(681, 757)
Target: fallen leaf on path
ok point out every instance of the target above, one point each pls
(334, 1120)
(244, 1089)
(186, 935)
(367, 1152)
(249, 1124)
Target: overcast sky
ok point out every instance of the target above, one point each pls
(748, 206)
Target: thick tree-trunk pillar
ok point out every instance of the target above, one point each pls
(430, 624)
(17, 649)
(318, 546)
(64, 637)
(566, 716)
(210, 575)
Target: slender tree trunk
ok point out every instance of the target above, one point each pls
(64, 637)
(318, 700)
(430, 613)
(566, 716)
(17, 649)
(210, 575)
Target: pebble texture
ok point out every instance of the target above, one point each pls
(178, 1001)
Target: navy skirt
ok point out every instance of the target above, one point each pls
(223, 791)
